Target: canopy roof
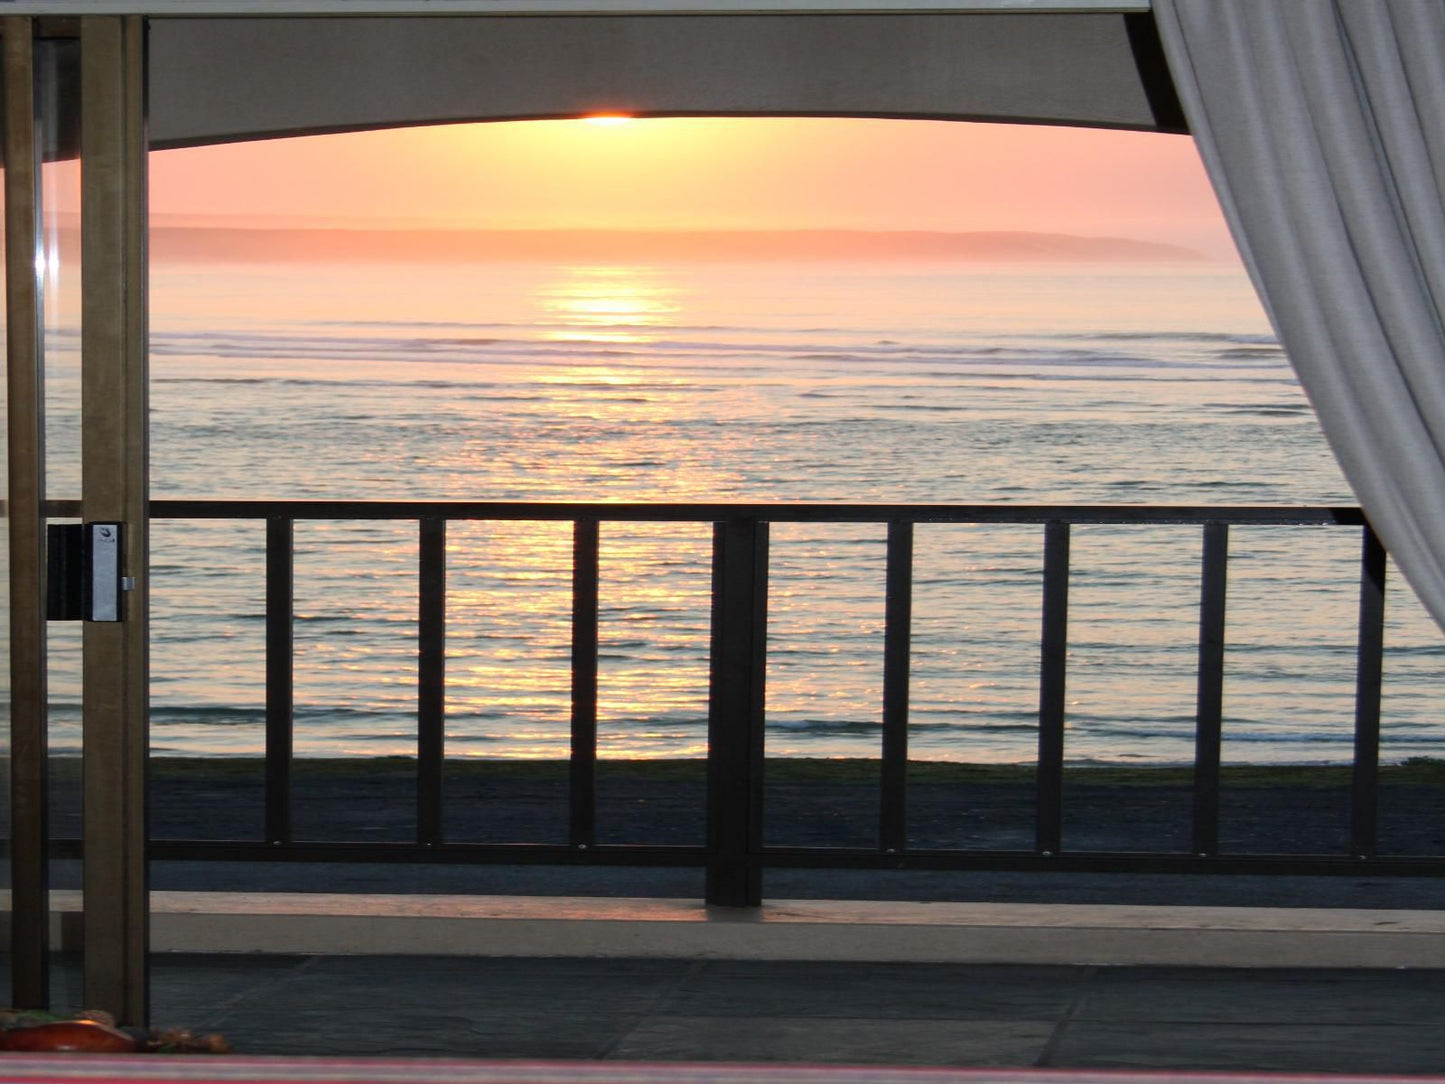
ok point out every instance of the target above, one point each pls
(544, 7)
(222, 79)
(217, 80)
(226, 78)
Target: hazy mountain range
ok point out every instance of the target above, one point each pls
(171, 243)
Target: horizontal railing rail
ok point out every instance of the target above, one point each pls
(771, 512)
(734, 854)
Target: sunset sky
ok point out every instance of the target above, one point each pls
(714, 173)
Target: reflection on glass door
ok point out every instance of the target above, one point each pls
(42, 316)
(58, 265)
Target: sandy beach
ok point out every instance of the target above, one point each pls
(812, 802)
(808, 802)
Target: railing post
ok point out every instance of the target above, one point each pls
(582, 778)
(1209, 712)
(735, 713)
(1369, 672)
(431, 677)
(897, 644)
(1054, 648)
(280, 648)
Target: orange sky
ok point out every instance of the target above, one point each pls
(710, 173)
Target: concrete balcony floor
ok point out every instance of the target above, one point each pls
(1320, 1021)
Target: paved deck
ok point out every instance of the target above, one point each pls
(846, 1013)
(863, 931)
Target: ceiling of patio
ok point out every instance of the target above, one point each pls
(226, 79)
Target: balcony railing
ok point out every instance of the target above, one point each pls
(735, 853)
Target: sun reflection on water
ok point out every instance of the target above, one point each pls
(612, 303)
(509, 617)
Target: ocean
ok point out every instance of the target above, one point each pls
(1011, 384)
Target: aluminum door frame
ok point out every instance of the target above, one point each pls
(114, 396)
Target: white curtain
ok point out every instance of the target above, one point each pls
(1322, 125)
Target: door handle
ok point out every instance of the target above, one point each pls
(83, 571)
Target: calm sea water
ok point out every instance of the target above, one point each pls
(710, 382)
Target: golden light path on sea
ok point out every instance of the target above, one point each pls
(611, 304)
(512, 615)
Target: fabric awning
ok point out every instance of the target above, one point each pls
(222, 79)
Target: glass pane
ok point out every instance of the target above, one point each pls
(57, 199)
(59, 267)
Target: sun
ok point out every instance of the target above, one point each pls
(608, 120)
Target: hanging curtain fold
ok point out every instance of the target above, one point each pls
(1322, 125)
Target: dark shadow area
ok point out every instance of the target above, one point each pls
(1412, 808)
(817, 803)
(1284, 810)
(499, 801)
(1128, 809)
(63, 796)
(207, 799)
(652, 802)
(360, 800)
(973, 807)
(820, 803)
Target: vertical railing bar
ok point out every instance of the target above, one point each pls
(1054, 642)
(1369, 672)
(280, 680)
(582, 779)
(1209, 704)
(736, 699)
(897, 646)
(29, 768)
(431, 674)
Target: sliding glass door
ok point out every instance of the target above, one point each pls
(75, 474)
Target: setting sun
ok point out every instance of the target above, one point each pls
(608, 120)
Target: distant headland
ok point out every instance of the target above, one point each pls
(232, 244)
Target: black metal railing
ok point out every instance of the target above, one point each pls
(734, 853)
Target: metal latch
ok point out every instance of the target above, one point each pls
(83, 572)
